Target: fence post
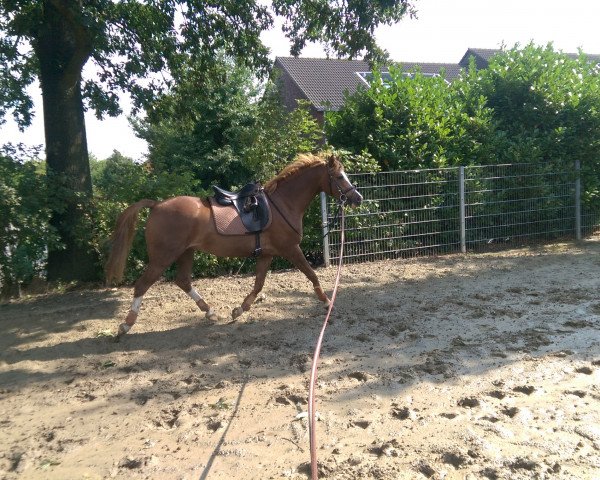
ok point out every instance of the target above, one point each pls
(461, 196)
(577, 200)
(324, 223)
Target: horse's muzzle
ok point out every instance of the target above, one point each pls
(355, 198)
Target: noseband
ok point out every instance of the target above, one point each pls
(333, 180)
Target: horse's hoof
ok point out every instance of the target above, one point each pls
(123, 329)
(237, 311)
(211, 316)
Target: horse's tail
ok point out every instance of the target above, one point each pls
(122, 239)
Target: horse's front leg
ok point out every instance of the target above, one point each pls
(296, 256)
(262, 267)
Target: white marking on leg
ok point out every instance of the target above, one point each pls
(194, 295)
(136, 304)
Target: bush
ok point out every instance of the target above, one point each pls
(412, 122)
(24, 219)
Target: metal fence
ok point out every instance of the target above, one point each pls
(437, 211)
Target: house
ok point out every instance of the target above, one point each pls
(323, 82)
(482, 57)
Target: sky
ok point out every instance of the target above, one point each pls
(442, 33)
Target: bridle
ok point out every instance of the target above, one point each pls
(341, 201)
(333, 181)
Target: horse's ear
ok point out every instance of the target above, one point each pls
(331, 160)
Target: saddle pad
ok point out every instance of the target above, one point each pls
(227, 220)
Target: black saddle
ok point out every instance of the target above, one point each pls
(251, 204)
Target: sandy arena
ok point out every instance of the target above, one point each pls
(478, 366)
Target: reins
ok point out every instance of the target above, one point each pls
(330, 225)
(281, 213)
(313, 371)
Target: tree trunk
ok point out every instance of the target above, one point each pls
(63, 47)
(9, 290)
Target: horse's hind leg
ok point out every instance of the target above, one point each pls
(142, 284)
(184, 281)
(262, 267)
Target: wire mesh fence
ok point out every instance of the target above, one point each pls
(438, 211)
(505, 203)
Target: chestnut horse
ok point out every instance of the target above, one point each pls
(178, 226)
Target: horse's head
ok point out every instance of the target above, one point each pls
(339, 184)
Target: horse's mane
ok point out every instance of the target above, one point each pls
(302, 161)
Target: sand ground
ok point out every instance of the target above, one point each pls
(478, 366)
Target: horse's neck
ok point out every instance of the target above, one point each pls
(298, 191)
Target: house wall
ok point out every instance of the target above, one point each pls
(319, 115)
(290, 92)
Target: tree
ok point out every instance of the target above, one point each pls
(138, 46)
(204, 131)
(226, 133)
